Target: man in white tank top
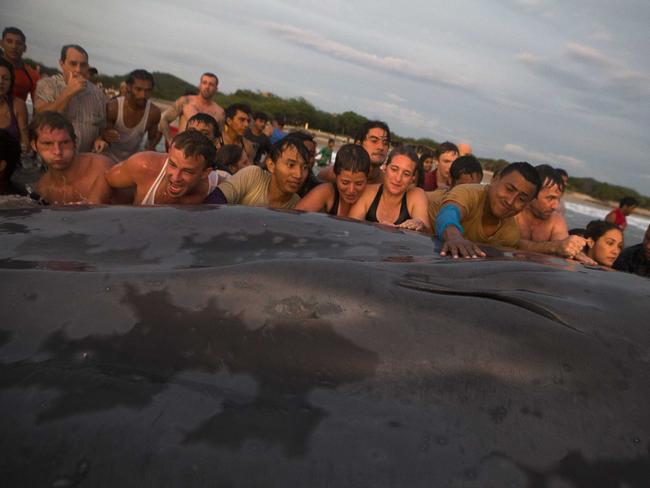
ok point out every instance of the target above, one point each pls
(185, 176)
(129, 117)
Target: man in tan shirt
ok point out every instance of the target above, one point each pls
(472, 214)
(287, 170)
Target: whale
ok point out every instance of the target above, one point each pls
(237, 346)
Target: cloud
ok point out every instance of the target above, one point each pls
(395, 97)
(539, 157)
(397, 66)
(397, 113)
(587, 55)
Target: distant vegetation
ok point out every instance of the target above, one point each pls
(298, 111)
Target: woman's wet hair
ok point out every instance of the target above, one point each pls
(353, 158)
(404, 150)
(465, 165)
(597, 228)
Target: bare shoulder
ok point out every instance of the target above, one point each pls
(19, 104)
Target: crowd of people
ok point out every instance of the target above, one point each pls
(96, 150)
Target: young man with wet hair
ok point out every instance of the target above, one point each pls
(474, 214)
(636, 259)
(278, 187)
(129, 117)
(185, 176)
(618, 216)
(310, 144)
(208, 126)
(351, 169)
(464, 170)
(237, 121)
(374, 137)
(25, 77)
(543, 229)
(71, 94)
(189, 105)
(71, 177)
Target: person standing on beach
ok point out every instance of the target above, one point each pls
(374, 137)
(618, 216)
(326, 154)
(543, 229)
(71, 94)
(189, 105)
(129, 117)
(71, 177)
(185, 176)
(25, 77)
(255, 134)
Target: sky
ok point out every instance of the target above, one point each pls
(544, 81)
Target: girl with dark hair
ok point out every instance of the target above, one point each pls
(13, 111)
(604, 242)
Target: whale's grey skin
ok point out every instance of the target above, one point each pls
(234, 346)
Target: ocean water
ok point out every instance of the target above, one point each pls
(579, 215)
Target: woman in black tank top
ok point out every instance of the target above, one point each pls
(395, 201)
(336, 198)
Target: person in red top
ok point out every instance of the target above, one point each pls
(25, 77)
(618, 216)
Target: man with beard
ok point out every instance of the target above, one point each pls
(129, 117)
(374, 137)
(542, 228)
(189, 105)
(472, 214)
(71, 177)
(185, 176)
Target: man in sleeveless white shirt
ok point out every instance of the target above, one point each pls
(129, 117)
(185, 176)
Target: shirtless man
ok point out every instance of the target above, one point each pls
(188, 105)
(464, 149)
(71, 177)
(182, 177)
(542, 228)
(129, 117)
(238, 116)
(278, 187)
(374, 137)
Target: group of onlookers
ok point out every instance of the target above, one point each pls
(90, 148)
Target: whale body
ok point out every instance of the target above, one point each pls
(235, 346)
